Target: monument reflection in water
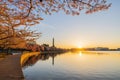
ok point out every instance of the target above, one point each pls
(30, 60)
(103, 65)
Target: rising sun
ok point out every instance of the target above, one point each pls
(79, 46)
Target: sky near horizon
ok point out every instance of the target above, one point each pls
(86, 30)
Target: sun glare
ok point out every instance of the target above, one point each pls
(80, 46)
(80, 54)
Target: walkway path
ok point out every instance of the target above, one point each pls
(10, 68)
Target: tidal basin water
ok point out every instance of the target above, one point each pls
(101, 65)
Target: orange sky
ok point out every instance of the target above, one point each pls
(101, 29)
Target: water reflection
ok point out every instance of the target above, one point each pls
(29, 59)
(73, 66)
(80, 54)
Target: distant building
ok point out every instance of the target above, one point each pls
(118, 49)
(53, 45)
(46, 47)
(101, 49)
(89, 49)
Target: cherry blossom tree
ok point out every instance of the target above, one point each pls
(16, 13)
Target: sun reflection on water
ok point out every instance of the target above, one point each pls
(80, 54)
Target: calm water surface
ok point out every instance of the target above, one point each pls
(73, 66)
